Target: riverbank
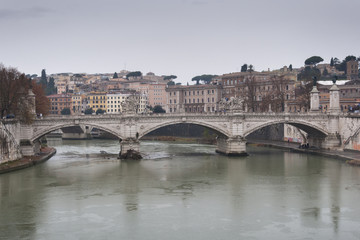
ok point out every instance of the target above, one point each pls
(350, 157)
(25, 162)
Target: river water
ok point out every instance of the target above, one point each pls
(180, 191)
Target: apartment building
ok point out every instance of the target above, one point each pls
(157, 94)
(97, 100)
(58, 102)
(193, 98)
(261, 89)
(114, 101)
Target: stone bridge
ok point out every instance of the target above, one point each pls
(332, 130)
(324, 130)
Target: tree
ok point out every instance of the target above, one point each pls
(244, 68)
(250, 92)
(332, 62)
(179, 83)
(170, 77)
(206, 78)
(89, 111)
(42, 103)
(99, 111)
(43, 79)
(279, 92)
(171, 83)
(313, 60)
(158, 109)
(115, 75)
(13, 89)
(133, 74)
(66, 111)
(306, 77)
(50, 88)
(341, 66)
(290, 67)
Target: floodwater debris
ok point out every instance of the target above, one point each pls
(130, 155)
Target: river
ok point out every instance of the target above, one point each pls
(180, 191)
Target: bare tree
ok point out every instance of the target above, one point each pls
(14, 98)
(13, 86)
(250, 92)
(279, 84)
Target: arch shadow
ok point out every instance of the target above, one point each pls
(215, 129)
(41, 134)
(309, 128)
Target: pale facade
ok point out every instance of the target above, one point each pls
(157, 94)
(193, 98)
(114, 102)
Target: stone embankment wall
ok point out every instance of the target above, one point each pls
(9, 146)
(351, 128)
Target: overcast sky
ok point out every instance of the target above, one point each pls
(181, 37)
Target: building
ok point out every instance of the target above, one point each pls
(97, 100)
(157, 94)
(58, 102)
(261, 91)
(193, 98)
(352, 70)
(349, 94)
(79, 103)
(114, 101)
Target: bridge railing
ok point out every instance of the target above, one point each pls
(219, 113)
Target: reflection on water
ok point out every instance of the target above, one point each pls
(180, 191)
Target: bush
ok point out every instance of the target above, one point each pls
(66, 111)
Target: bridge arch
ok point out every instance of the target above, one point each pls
(169, 123)
(307, 127)
(44, 131)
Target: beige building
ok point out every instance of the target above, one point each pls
(157, 94)
(352, 70)
(78, 105)
(193, 98)
(261, 91)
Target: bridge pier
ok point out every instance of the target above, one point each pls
(332, 141)
(233, 146)
(129, 149)
(29, 148)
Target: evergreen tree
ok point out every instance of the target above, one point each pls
(66, 111)
(115, 75)
(43, 79)
(290, 67)
(50, 88)
(332, 62)
(158, 109)
(244, 68)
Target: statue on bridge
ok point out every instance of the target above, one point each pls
(232, 104)
(130, 105)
